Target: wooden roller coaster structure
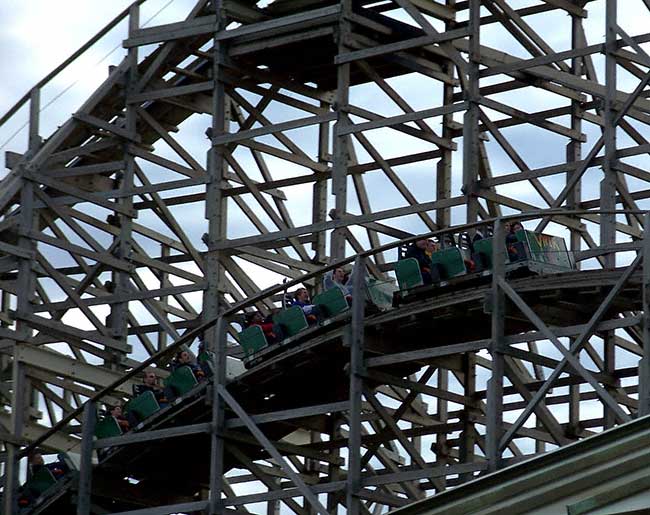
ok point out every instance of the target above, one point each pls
(252, 147)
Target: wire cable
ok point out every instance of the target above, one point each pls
(75, 82)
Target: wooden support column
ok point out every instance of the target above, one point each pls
(644, 364)
(494, 427)
(18, 401)
(319, 208)
(340, 142)
(5, 306)
(119, 317)
(471, 118)
(26, 287)
(86, 466)
(217, 469)
(273, 507)
(443, 172)
(216, 203)
(443, 416)
(216, 214)
(334, 470)
(468, 435)
(608, 184)
(26, 278)
(356, 343)
(164, 283)
(574, 147)
(574, 155)
(34, 142)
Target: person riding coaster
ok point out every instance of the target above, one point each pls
(303, 301)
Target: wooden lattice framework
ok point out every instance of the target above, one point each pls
(335, 127)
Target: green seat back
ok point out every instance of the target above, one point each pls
(522, 234)
(143, 406)
(252, 340)
(205, 359)
(107, 427)
(484, 247)
(408, 273)
(332, 301)
(380, 292)
(40, 481)
(208, 367)
(292, 320)
(181, 380)
(451, 261)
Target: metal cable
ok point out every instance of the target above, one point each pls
(74, 83)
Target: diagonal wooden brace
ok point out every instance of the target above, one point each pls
(268, 446)
(570, 355)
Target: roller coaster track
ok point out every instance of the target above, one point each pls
(270, 398)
